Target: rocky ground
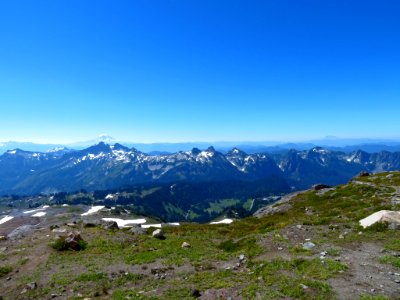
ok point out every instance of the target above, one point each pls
(308, 246)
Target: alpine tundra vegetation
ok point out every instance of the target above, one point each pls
(308, 245)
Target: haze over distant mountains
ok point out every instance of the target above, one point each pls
(331, 143)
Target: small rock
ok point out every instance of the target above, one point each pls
(363, 174)
(242, 257)
(8, 278)
(31, 285)
(138, 230)
(59, 230)
(110, 225)
(341, 236)
(318, 187)
(280, 248)
(303, 286)
(158, 234)
(308, 245)
(397, 280)
(185, 245)
(324, 253)
(89, 224)
(196, 293)
(73, 225)
(372, 290)
(73, 240)
(3, 238)
(53, 295)
(307, 240)
(299, 226)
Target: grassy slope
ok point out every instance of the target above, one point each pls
(120, 265)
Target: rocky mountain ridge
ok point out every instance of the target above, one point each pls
(104, 166)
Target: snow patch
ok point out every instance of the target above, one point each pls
(39, 214)
(224, 221)
(151, 225)
(35, 210)
(6, 219)
(125, 223)
(93, 210)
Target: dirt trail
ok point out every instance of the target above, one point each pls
(365, 275)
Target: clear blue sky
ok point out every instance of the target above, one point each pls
(150, 71)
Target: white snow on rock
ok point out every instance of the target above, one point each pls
(381, 216)
(93, 210)
(125, 223)
(6, 219)
(224, 221)
(39, 214)
(151, 225)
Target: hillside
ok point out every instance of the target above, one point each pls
(308, 245)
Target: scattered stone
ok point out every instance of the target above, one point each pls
(196, 293)
(397, 280)
(111, 225)
(242, 257)
(324, 253)
(307, 240)
(138, 230)
(53, 295)
(299, 226)
(158, 234)
(73, 241)
(88, 224)
(3, 249)
(73, 225)
(303, 286)
(59, 230)
(3, 238)
(280, 248)
(31, 286)
(8, 278)
(364, 174)
(320, 186)
(185, 245)
(308, 245)
(341, 236)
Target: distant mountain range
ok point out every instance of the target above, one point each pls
(104, 166)
(330, 143)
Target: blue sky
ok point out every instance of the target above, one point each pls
(156, 71)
